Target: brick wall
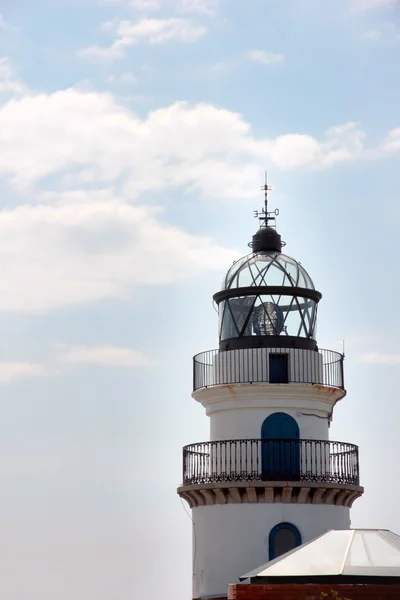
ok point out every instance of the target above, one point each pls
(313, 592)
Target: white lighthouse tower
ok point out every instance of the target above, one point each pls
(269, 479)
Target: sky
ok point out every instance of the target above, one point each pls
(134, 135)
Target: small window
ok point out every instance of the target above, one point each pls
(278, 368)
(283, 538)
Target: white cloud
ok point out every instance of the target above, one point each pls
(180, 145)
(55, 256)
(201, 7)
(9, 83)
(217, 67)
(390, 144)
(266, 58)
(139, 5)
(109, 25)
(158, 31)
(365, 5)
(146, 5)
(3, 22)
(74, 246)
(96, 52)
(151, 31)
(196, 147)
(10, 371)
(105, 355)
(124, 78)
(372, 35)
(379, 358)
(343, 143)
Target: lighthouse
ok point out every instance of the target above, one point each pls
(269, 478)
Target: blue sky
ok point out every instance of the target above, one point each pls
(133, 139)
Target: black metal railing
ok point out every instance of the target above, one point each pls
(270, 460)
(253, 365)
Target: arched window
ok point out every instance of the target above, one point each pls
(283, 538)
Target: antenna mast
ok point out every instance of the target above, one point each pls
(266, 189)
(263, 215)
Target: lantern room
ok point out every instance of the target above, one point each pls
(268, 299)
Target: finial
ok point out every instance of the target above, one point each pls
(263, 215)
(267, 238)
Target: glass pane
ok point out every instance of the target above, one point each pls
(240, 308)
(323, 556)
(267, 268)
(371, 549)
(221, 309)
(268, 315)
(297, 322)
(392, 536)
(230, 279)
(228, 324)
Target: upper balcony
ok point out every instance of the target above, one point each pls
(268, 365)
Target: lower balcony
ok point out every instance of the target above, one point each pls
(292, 470)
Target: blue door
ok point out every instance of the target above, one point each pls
(278, 368)
(280, 448)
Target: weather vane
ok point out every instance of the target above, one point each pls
(263, 215)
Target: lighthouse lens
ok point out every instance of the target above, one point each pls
(268, 319)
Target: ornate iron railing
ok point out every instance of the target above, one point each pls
(270, 460)
(253, 365)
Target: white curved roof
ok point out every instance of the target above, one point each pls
(357, 552)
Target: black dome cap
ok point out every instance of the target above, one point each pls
(266, 239)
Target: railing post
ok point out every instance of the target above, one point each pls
(184, 465)
(342, 372)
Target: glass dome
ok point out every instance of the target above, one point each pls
(267, 316)
(267, 268)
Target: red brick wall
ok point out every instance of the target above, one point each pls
(313, 592)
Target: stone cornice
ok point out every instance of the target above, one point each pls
(256, 395)
(267, 492)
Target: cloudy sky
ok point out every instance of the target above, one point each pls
(133, 139)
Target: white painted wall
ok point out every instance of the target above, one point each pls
(238, 411)
(231, 539)
(246, 423)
